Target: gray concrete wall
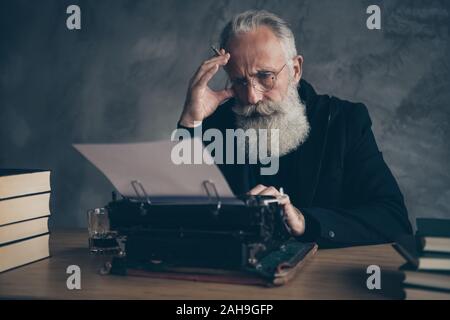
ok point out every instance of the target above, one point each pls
(123, 78)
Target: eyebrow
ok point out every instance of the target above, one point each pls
(259, 71)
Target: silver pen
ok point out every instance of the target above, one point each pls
(278, 199)
(217, 52)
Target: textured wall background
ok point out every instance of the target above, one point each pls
(123, 78)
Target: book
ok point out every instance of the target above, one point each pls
(434, 234)
(427, 279)
(20, 182)
(407, 247)
(22, 230)
(431, 227)
(435, 244)
(415, 293)
(24, 208)
(431, 244)
(24, 252)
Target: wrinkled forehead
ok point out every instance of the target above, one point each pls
(254, 51)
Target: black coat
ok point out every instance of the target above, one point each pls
(337, 178)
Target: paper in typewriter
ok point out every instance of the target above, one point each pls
(152, 166)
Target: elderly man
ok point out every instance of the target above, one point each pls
(341, 191)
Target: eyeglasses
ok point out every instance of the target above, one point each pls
(262, 81)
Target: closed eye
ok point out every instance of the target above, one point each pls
(264, 74)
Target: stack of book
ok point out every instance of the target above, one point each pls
(24, 213)
(427, 273)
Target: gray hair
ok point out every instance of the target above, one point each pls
(251, 20)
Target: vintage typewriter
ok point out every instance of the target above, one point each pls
(248, 234)
(215, 234)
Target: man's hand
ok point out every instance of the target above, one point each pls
(294, 217)
(201, 101)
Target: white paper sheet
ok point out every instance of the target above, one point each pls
(151, 164)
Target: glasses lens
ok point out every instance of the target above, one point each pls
(265, 81)
(261, 82)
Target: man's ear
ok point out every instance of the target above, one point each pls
(298, 68)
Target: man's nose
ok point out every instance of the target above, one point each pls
(253, 95)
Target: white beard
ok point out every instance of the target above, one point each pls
(288, 116)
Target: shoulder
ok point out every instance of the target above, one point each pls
(354, 116)
(343, 114)
(352, 126)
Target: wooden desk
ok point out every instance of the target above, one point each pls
(331, 274)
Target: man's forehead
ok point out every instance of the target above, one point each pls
(255, 50)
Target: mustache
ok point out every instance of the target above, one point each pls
(260, 109)
(288, 116)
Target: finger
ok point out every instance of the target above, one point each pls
(284, 199)
(223, 52)
(206, 66)
(216, 59)
(257, 189)
(270, 191)
(223, 58)
(201, 76)
(207, 75)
